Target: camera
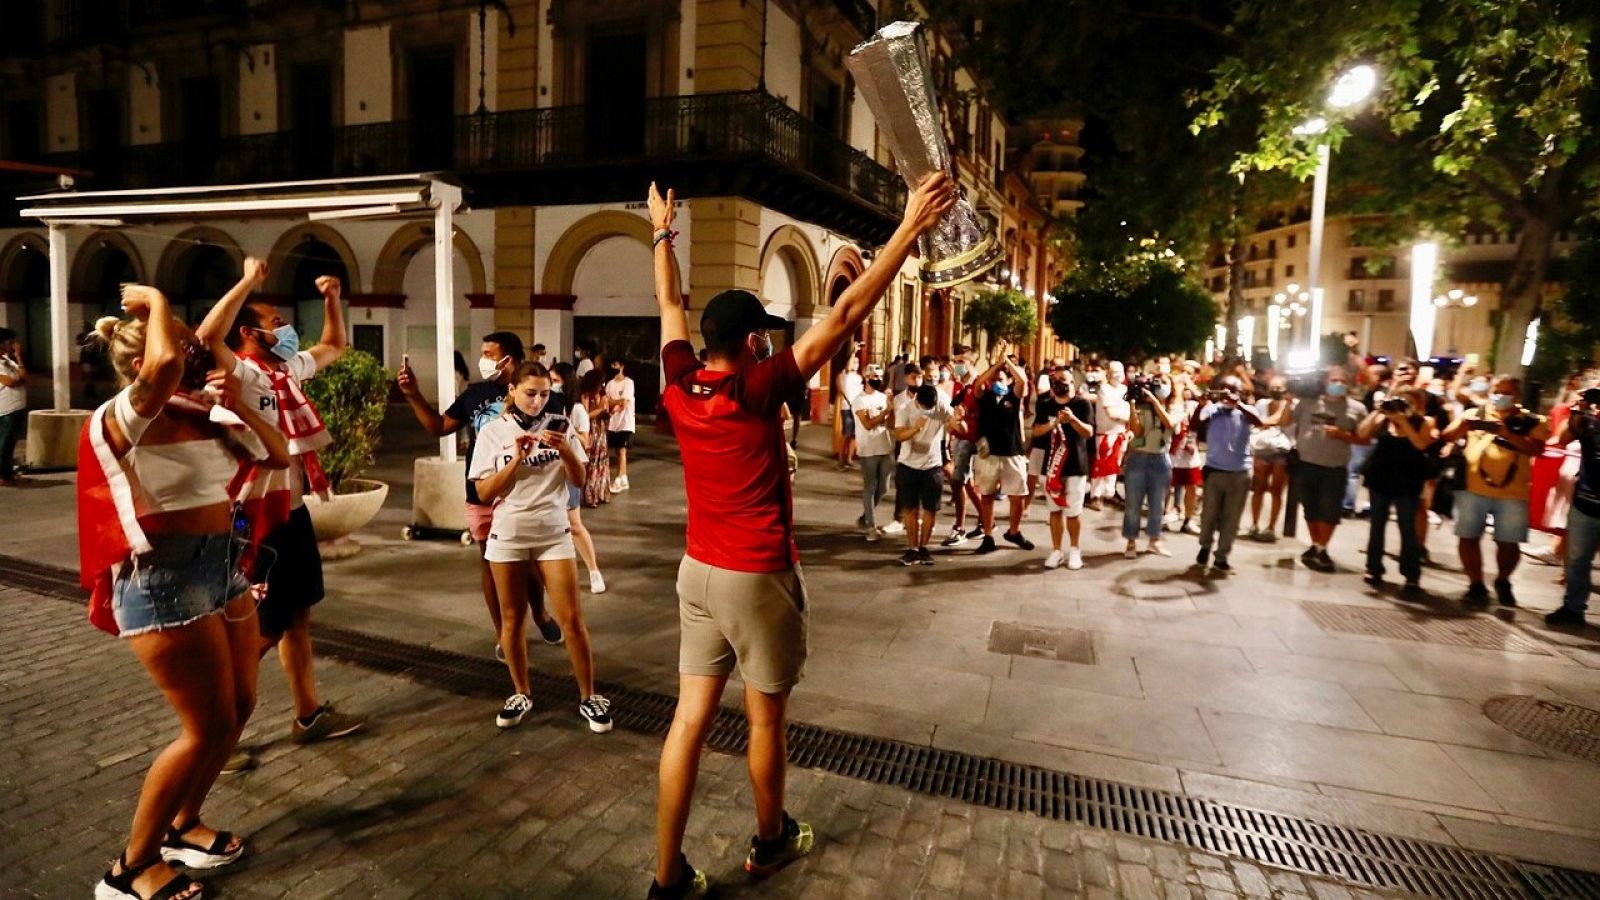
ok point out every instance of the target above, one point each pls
(1305, 384)
(1138, 384)
(1521, 425)
(1394, 405)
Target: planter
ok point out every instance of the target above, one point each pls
(341, 515)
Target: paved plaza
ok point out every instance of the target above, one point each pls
(1277, 689)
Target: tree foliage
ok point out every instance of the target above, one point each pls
(1002, 313)
(1570, 331)
(1134, 308)
(351, 396)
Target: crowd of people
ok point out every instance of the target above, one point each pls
(1184, 448)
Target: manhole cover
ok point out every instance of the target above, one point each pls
(1563, 727)
(1483, 634)
(1063, 644)
(1151, 590)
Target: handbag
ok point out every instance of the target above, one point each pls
(1270, 441)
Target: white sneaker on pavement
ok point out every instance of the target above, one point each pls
(1074, 559)
(872, 535)
(597, 583)
(893, 528)
(1053, 560)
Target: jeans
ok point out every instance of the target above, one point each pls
(1145, 476)
(1220, 508)
(1358, 456)
(876, 472)
(12, 426)
(1405, 512)
(1583, 539)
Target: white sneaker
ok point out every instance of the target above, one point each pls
(616, 486)
(626, 484)
(499, 653)
(1053, 560)
(893, 528)
(597, 583)
(1156, 548)
(517, 706)
(873, 535)
(1074, 559)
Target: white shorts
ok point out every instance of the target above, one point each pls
(1000, 474)
(549, 549)
(1077, 488)
(1036, 463)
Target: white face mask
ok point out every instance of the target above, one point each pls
(488, 369)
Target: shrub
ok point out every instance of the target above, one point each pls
(351, 396)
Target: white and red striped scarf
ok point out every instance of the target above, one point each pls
(299, 422)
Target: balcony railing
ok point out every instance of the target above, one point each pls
(707, 128)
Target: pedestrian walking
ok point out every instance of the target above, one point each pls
(741, 596)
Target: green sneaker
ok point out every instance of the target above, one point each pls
(767, 857)
(690, 884)
(325, 725)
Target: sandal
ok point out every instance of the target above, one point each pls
(194, 856)
(120, 887)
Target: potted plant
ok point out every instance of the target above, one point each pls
(351, 396)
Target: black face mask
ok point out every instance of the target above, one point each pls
(1059, 387)
(523, 420)
(875, 383)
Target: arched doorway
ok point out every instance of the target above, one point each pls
(843, 270)
(614, 308)
(105, 262)
(404, 274)
(312, 258)
(25, 287)
(199, 266)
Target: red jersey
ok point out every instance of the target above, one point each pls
(729, 427)
(965, 399)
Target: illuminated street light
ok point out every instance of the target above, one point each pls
(1311, 126)
(1353, 87)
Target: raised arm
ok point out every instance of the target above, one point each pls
(213, 332)
(669, 286)
(931, 200)
(334, 341)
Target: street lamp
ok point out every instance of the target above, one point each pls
(1352, 87)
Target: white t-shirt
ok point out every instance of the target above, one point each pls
(925, 450)
(1113, 402)
(534, 509)
(579, 415)
(12, 399)
(585, 366)
(850, 387)
(872, 441)
(621, 390)
(255, 389)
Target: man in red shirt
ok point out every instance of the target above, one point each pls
(741, 598)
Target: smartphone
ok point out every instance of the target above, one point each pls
(405, 360)
(1482, 425)
(557, 424)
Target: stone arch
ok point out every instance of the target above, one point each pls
(10, 272)
(845, 267)
(789, 245)
(91, 259)
(281, 261)
(171, 267)
(562, 264)
(389, 274)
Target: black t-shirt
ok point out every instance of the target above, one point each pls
(481, 403)
(1586, 494)
(1000, 422)
(1397, 467)
(1077, 461)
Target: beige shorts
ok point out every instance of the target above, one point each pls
(1000, 474)
(754, 619)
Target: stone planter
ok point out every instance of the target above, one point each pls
(341, 515)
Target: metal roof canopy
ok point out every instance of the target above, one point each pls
(379, 197)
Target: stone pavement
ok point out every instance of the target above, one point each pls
(1251, 690)
(434, 801)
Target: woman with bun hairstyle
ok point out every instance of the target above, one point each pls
(155, 538)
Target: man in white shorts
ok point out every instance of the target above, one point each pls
(1001, 466)
(1064, 423)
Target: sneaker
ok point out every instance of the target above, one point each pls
(975, 533)
(1092, 503)
(1373, 578)
(1255, 533)
(241, 760)
(626, 484)
(988, 544)
(1309, 557)
(691, 884)
(550, 631)
(908, 558)
(1016, 537)
(1203, 557)
(499, 653)
(616, 486)
(1564, 617)
(893, 528)
(325, 725)
(517, 706)
(767, 857)
(1317, 560)
(1131, 551)
(1189, 527)
(1269, 536)
(924, 558)
(1544, 556)
(1156, 548)
(1326, 560)
(1502, 592)
(955, 539)
(597, 712)
(1074, 559)
(597, 583)
(873, 535)
(861, 523)
(1053, 561)
(1477, 594)
(1221, 565)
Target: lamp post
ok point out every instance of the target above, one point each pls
(1352, 88)
(1454, 298)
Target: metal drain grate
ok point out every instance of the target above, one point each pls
(1022, 639)
(1564, 727)
(1290, 842)
(1465, 631)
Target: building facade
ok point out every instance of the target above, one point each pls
(554, 115)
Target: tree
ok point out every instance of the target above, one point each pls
(1569, 331)
(1142, 305)
(1487, 111)
(1002, 313)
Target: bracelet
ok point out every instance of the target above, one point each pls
(664, 235)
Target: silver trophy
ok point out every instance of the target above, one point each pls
(892, 74)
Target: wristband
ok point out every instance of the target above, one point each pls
(663, 235)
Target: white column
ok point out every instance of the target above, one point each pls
(445, 198)
(1424, 262)
(1319, 208)
(60, 336)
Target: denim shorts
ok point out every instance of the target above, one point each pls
(1473, 511)
(186, 577)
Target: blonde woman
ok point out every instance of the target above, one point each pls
(157, 549)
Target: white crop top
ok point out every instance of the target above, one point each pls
(182, 475)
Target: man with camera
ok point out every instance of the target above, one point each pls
(1224, 424)
(1583, 518)
(1324, 430)
(1502, 441)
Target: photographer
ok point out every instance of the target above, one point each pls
(1147, 470)
(1224, 424)
(1395, 473)
(1583, 518)
(1502, 439)
(1324, 429)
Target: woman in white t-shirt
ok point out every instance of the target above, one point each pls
(524, 463)
(620, 400)
(564, 381)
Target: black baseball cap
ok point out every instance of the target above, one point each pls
(733, 314)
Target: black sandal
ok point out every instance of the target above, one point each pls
(120, 887)
(194, 856)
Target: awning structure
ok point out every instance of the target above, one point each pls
(384, 197)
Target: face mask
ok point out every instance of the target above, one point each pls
(555, 387)
(1058, 387)
(961, 371)
(875, 383)
(288, 342)
(523, 420)
(1503, 402)
(1163, 391)
(1337, 389)
(1093, 378)
(1000, 390)
(944, 375)
(489, 368)
(1478, 386)
(615, 371)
